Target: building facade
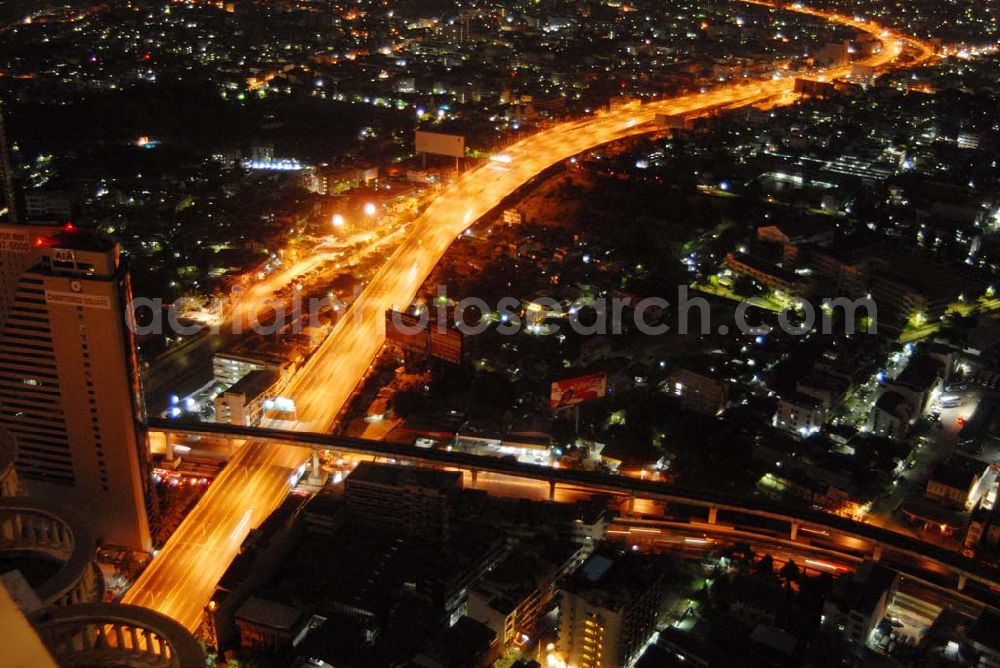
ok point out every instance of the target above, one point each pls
(608, 610)
(402, 498)
(69, 384)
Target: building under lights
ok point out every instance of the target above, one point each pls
(69, 383)
(608, 609)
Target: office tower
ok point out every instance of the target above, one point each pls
(465, 26)
(69, 385)
(608, 609)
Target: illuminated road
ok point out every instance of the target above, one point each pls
(180, 581)
(183, 576)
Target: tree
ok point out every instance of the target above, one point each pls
(408, 402)
(742, 553)
(766, 565)
(789, 573)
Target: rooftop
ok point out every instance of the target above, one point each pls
(958, 472)
(920, 373)
(612, 581)
(400, 476)
(765, 267)
(81, 240)
(254, 383)
(269, 613)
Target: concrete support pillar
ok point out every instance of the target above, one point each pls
(962, 579)
(552, 490)
(713, 513)
(168, 441)
(794, 533)
(876, 553)
(315, 472)
(475, 477)
(631, 503)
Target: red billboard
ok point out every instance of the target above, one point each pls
(573, 391)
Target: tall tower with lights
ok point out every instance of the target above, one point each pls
(69, 382)
(69, 385)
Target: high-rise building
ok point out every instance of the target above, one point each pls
(608, 609)
(69, 385)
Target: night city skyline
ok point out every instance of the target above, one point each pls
(443, 334)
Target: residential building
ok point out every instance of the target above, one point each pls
(801, 414)
(845, 274)
(269, 625)
(959, 482)
(608, 609)
(859, 602)
(404, 498)
(918, 381)
(513, 596)
(244, 403)
(229, 366)
(891, 415)
(765, 273)
(48, 206)
(700, 393)
(465, 644)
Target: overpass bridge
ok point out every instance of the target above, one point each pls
(910, 556)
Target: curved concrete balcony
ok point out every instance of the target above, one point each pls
(114, 634)
(38, 529)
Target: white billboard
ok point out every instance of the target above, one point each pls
(440, 144)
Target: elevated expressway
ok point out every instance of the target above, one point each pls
(707, 511)
(180, 581)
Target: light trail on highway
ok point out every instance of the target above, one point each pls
(180, 581)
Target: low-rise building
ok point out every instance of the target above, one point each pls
(859, 602)
(765, 273)
(465, 644)
(891, 415)
(918, 382)
(958, 482)
(268, 624)
(800, 414)
(244, 403)
(409, 499)
(699, 392)
(516, 593)
(229, 366)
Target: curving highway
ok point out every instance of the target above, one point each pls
(181, 579)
